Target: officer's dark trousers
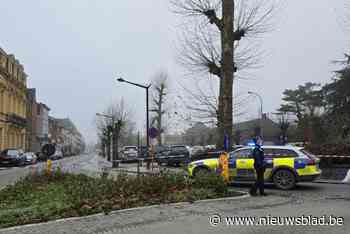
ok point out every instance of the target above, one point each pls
(259, 183)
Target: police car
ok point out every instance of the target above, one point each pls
(285, 165)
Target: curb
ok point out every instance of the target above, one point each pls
(330, 182)
(244, 195)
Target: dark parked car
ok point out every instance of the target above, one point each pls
(142, 152)
(12, 157)
(31, 158)
(57, 155)
(175, 155)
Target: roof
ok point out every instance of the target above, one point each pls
(44, 106)
(289, 147)
(2, 51)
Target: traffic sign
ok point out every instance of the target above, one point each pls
(153, 132)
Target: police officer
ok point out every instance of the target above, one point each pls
(258, 155)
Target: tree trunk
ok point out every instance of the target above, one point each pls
(159, 126)
(108, 150)
(103, 149)
(227, 72)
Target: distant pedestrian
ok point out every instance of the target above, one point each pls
(259, 166)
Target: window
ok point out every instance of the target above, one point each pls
(284, 153)
(269, 153)
(130, 148)
(178, 148)
(307, 153)
(12, 152)
(246, 153)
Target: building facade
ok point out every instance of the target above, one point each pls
(13, 98)
(32, 144)
(64, 133)
(37, 123)
(42, 123)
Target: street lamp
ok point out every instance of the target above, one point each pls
(261, 110)
(147, 106)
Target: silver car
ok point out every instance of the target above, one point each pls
(129, 153)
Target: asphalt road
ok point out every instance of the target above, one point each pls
(9, 175)
(307, 199)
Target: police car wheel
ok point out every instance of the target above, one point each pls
(201, 171)
(284, 179)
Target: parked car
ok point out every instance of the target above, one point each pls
(57, 155)
(142, 152)
(129, 153)
(175, 155)
(285, 165)
(197, 149)
(161, 150)
(31, 158)
(12, 157)
(210, 147)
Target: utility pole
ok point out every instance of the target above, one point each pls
(147, 110)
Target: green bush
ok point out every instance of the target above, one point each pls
(211, 181)
(40, 197)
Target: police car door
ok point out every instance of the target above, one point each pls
(245, 165)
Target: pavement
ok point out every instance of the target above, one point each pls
(316, 199)
(306, 199)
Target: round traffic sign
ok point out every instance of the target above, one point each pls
(153, 132)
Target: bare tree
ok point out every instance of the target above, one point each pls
(112, 126)
(212, 47)
(201, 104)
(159, 96)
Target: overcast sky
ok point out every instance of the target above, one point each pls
(72, 50)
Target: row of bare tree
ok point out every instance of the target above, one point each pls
(116, 126)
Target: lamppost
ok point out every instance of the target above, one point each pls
(147, 107)
(261, 111)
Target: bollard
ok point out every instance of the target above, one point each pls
(223, 164)
(48, 167)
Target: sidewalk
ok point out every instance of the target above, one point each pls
(124, 220)
(334, 175)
